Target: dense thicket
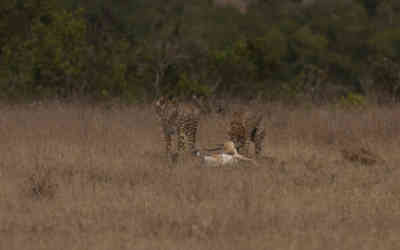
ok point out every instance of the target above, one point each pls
(139, 49)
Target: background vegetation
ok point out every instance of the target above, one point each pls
(135, 50)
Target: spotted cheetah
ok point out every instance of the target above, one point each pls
(246, 127)
(187, 126)
(167, 113)
(179, 121)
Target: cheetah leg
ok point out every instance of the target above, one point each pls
(193, 136)
(168, 145)
(258, 147)
(237, 143)
(245, 147)
(181, 140)
(259, 142)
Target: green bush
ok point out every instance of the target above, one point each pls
(135, 50)
(51, 58)
(187, 87)
(353, 100)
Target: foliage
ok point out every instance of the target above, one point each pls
(353, 100)
(56, 51)
(386, 42)
(188, 87)
(57, 59)
(136, 50)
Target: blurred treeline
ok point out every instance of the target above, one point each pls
(135, 50)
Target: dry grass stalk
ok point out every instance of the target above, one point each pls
(111, 188)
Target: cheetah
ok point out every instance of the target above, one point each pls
(246, 127)
(187, 125)
(167, 113)
(179, 123)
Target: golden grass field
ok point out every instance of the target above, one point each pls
(85, 177)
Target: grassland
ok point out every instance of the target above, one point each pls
(82, 177)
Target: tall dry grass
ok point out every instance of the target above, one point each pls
(84, 177)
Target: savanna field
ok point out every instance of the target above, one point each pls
(76, 176)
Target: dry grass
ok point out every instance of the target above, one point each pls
(75, 177)
(241, 5)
